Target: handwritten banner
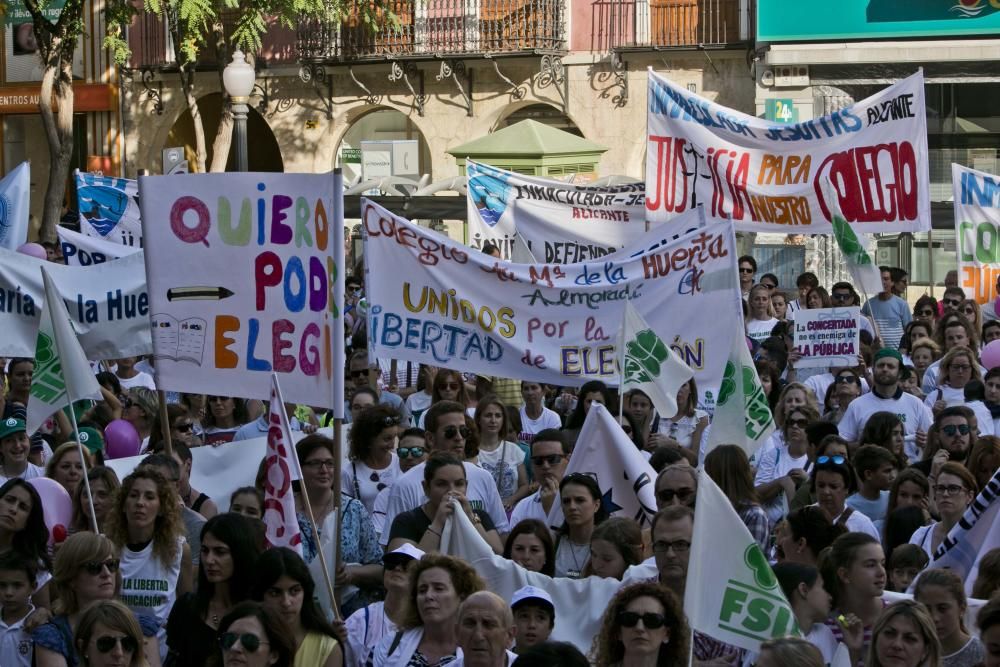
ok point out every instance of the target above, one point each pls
(443, 305)
(561, 223)
(766, 176)
(827, 337)
(977, 225)
(241, 283)
(107, 303)
(82, 250)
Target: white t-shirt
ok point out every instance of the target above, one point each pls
(408, 493)
(502, 463)
(149, 586)
(857, 522)
(911, 411)
(775, 465)
(365, 628)
(923, 537)
(758, 330)
(417, 403)
(987, 426)
(528, 508)
(31, 472)
(529, 427)
(946, 393)
(16, 647)
(682, 430)
(369, 481)
(930, 381)
(821, 636)
(140, 380)
(378, 509)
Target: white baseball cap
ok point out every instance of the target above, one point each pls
(406, 549)
(531, 593)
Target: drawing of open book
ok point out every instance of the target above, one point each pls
(182, 340)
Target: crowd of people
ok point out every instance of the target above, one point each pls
(869, 468)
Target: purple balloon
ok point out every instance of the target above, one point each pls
(57, 506)
(991, 355)
(121, 440)
(33, 250)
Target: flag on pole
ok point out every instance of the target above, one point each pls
(280, 522)
(731, 594)
(61, 368)
(521, 252)
(15, 206)
(604, 452)
(864, 271)
(742, 414)
(649, 365)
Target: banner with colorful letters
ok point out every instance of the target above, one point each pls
(977, 226)
(767, 176)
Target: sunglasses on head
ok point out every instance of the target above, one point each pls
(651, 621)
(107, 643)
(451, 431)
(952, 429)
(95, 567)
(249, 642)
(407, 452)
(836, 459)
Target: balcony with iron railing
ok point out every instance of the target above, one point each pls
(670, 24)
(435, 28)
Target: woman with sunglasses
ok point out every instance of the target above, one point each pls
(845, 388)
(103, 486)
(444, 485)
(832, 480)
(86, 572)
(225, 416)
(970, 308)
(582, 511)
(373, 463)
(225, 571)
(285, 587)
(643, 626)
(954, 489)
(251, 635)
(782, 469)
(530, 545)
(957, 368)
(926, 310)
(448, 386)
(498, 455)
(109, 636)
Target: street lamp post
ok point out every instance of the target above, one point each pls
(238, 79)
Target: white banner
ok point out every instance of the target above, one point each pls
(561, 223)
(83, 250)
(109, 208)
(766, 176)
(107, 303)
(241, 283)
(15, 206)
(827, 337)
(977, 226)
(445, 306)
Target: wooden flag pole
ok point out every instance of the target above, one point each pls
(168, 445)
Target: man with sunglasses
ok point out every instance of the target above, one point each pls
(550, 452)
(953, 439)
(842, 295)
(888, 396)
(445, 432)
(677, 484)
(748, 269)
(410, 452)
(361, 375)
(889, 312)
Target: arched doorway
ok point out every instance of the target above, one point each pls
(543, 113)
(383, 142)
(263, 152)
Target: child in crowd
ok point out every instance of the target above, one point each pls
(905, 563)
(876, 468)
(534, 617)
(17, 582)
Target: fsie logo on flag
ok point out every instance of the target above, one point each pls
(757, 608)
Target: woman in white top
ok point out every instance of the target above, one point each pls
(781, 470)
(373, 464)
(689, 423)
(449, 385)
(833, 480)
(498, 455)
(761, 318)
(957, 369)
(953, 489)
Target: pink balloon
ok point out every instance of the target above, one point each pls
(57, 506)
(121, 440)
(33, 250)
(991, 355)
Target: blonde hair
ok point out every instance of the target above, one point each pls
(930, 344)
(793, 651)
(779, 407)
(114, 616)
(61, 451)
(921, 618)
(961, 351)
(78, 550)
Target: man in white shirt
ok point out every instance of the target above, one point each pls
(15, 447)
(887, 396)
(550, 452)
(956, 332)
(446, 432)
(129, 376)
(535, 417)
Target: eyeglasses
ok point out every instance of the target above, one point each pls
(948, 489)
(667, 495)
(358, 374)
(952, 429)
(925, 312)
(450, 386)
(407, 452)
(841, 296)
(797, 423)
(94, 567)
(316, 464)
(396, 563)
(847, 379)
(107, 643)
(629, 619)
(451, 431)
(742, 270)
(679, 546)
(249, 642)
(954, 303)
(551, 459)
(835, 460)
(184, 427)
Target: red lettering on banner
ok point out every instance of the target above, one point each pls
(874, 183)
(670, 175)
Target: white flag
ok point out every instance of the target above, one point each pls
(731, 594)
(604, 452)
(742, 414)
(15, 206)
(864, 271)
(281, 524)
(62, 372)
(648, 364)
(521, 252)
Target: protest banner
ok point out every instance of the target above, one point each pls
(241, 283)
(442, 305)
(561, 223)
(107, 304)
(827, 337)
(82, 250)
(977, 224)
(766, 176)
(109, 208)
(15, 206)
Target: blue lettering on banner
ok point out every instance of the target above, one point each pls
(981, 192)
(445, 342)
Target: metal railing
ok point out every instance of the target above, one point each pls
(438, 27)
(671, 23)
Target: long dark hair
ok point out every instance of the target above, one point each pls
(595, 492)
(237, 533)
(275, 563)
(544, 535)
(577, 416)
(32, 541)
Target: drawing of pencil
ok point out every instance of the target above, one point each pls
(198, 293)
